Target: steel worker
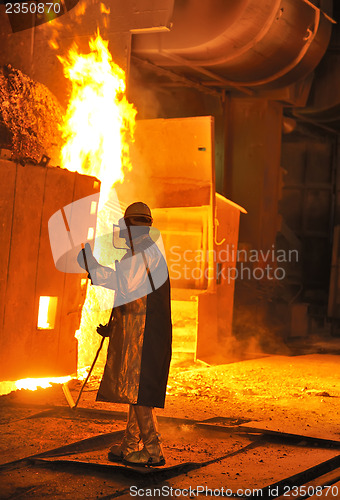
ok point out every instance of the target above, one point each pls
(140, 332)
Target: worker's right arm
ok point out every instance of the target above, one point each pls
(104, 276)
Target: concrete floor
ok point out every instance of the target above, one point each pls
(242, 427)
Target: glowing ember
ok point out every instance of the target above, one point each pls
(31, 383)
(43, 312)
(34, 383)
(47, 312)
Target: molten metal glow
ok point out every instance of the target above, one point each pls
(47, 312)
(34, 383)
(30, 383)
(43, 312)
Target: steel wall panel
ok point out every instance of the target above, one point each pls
(27, 204)
(215, 310)
(19, 307)
(7, 190)
(173, 162)
(228, 230)
(59, 190)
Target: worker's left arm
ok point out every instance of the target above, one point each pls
(98, 274)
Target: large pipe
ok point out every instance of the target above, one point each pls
(253, 43)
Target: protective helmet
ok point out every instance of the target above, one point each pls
(138, 214)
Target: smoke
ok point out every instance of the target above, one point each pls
(254, 333)
(145, 98)
(58, 30)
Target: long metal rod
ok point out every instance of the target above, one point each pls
(89, 374)
(324, 13)
(315, 123)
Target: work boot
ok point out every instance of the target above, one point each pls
(152, 452)
(130, 441)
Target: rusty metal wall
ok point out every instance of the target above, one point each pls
(215, 310)
(29, 195)
(174, 173)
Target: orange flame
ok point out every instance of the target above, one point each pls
(99, 119)
(98, 126)
(104, 9)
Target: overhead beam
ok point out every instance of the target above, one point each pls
(175, 77)
(206, 72)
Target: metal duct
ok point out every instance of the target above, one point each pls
(253, 43)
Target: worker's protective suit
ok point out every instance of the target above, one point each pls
(139, 350)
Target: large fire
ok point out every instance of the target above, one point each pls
(99, 119)
(98, 125)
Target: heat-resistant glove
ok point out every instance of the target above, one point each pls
(103, 330)
(92, 263)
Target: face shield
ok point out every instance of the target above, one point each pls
(120, 236)
(125, 236)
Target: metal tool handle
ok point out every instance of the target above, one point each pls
(89, 374)
(85, 259)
